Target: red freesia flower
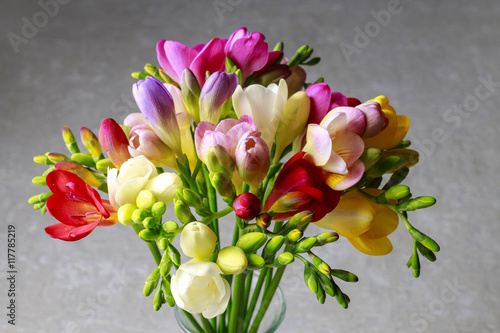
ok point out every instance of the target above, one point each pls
(301, 186)
(77, 206)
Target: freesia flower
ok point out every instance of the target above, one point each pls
(246, 206)
(114, 141)
(227, 134)
(295, 81)
(157, 106)
(264, 105)
(322, 101)
(198, 241)
(144, 141)
(363, 222)
(252, 158)
(232, 260)
(79, 170)
(301, 186)
(334, 148)
(218, 88)
(198, 287)
(174, 57)
(77, 206)
(136, 174)
(395, 130)
(249, 52)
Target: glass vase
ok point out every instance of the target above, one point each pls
(270, 323)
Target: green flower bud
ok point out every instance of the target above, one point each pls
(139, 75)
(158, 299)
(139, 215)
(56, 158)
(104, 164)
(428, 254)
(397, 192)
(167, 293)
(165, 77)
(422, 202)
(310, 278)
(370, 156)
(191, 94)
(174, 255)
(83, 159)
(69, 140)
(158, 209)
(320, 294)
(151, 282)
(125, 213)
(183, 212)
(274, 245)
(91, 142)
(150, 222)
(222, 184)
(165, 267)
(415, 265)
(42, 159)
(255, 261)
(344, 275)
(146, 199)
(342, 299)
(384, 166)
(326, 237)
(294, 235)
(232, 260)
(163, 245)
(251, 242)
(397, 177)
(299, 220)
(39, 198)
(304, 245)
(149, 235)
(170, 226)
(190, 197)
(424, 239)
(218, 159)
(283, 259)
(230, 65)
(320, 265)
(39, 205)
(39, 180)
(327, 284)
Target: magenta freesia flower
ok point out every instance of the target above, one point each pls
(77, 206)
(158, 107)
(322, 101)
(174, 57)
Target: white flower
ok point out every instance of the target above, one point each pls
(264, 104)
(198, 287)
(136, 174)
(198, 241)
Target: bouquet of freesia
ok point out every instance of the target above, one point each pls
(230, 128)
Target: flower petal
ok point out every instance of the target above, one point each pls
(70, 233)
(373, 247)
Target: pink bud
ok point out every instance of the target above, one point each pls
(252, 158)
(375, 118)
(114, 141)
(246, 206)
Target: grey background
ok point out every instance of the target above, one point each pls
(429, 58)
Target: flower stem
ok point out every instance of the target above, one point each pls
(206, 324)
(212, 202)
(238, 298)
(255, 297)
(153, 247)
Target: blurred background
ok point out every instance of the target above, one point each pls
(68, 63)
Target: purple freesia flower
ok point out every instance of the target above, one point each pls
(218, 88)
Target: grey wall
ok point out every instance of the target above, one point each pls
(430, 58)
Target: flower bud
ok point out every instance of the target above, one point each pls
(139, 215)
(190, 197)
(255, 261)
(370, 156)
(294, 235)
(151, 282)
(104, 164)
(91, 142)
(39, 198)
(173, 254)
(344, 275)
(290, 202)
(232, 260)
(218, 159)
(69, 140)
(198, 241)
(144, 141)
(222, 184)
(145, 200)
(164, 186)
(114, 141)
(56, 158)
(83, 159)
(311, 279)
(159, 208)
(158, 299)
(183, 212)
(191, 94)
(273, 246)
(42, 159)
(264, 220)
(252, 159)
(125, 213)
(246, 206)
(284, 258)
(149, 235)
(170, 226)
(251, 242)
(218, 88)
(397, 192)
(326, 237)
(82, 172)
(320, 265)
(39, 180)
(304, 245)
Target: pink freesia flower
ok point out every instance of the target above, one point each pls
(336, 148)
(114, 141)
(301, 186)
(322, 101)
(226, 134)
(144, 141)
(77, 206)
(252, 158)
(174, 57)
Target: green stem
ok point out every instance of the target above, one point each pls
(237, 302)
(266, 299)
(212, 202)
(248, 287)
(206, 324)
(255, 297)
(193, 321)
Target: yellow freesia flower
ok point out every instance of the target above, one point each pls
(394, 132)
(363, 222)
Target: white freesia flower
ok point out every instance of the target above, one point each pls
(264, 104)
(136, 174)
(198, 287)
(198, 241)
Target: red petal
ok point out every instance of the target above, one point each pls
(59, 181)
(71, 210)
(70, 233)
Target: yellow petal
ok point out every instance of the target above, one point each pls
(352, 217)
(372, 247)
